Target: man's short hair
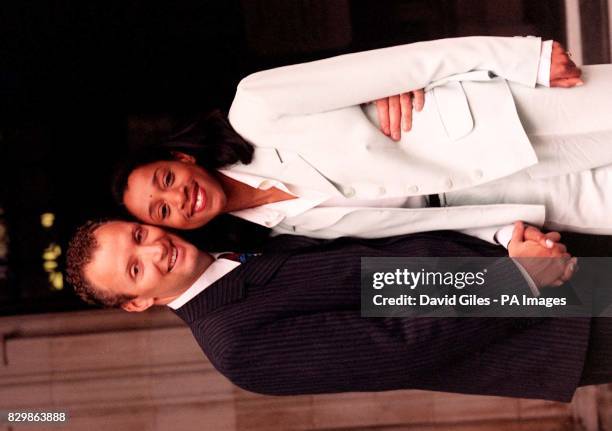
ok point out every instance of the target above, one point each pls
(80, 253)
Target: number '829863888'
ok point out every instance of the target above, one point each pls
(30, 417)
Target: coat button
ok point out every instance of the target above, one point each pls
(348, 192)
(478, 174)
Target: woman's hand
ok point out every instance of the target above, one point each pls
(396, 111)
(563, 71)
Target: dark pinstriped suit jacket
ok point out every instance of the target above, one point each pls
(288, 322)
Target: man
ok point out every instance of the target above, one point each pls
(288, 321)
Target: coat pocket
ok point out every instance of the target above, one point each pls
(454, 110)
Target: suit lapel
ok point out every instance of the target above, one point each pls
(287, 167)
(228, 289)
(233, 286)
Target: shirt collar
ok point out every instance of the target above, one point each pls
(270, 215)
(251, 180)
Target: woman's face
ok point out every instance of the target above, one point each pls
(178, 194)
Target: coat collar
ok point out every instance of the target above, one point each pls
(288, 167)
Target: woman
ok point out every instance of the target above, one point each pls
(322, 169)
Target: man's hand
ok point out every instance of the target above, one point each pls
(396, 111)
(547, 266)
(563, 71)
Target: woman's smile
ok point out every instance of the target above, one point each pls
(198, 199)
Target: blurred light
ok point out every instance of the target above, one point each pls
(52, 252)
(57, 280)
(47, 219)
(50, 265)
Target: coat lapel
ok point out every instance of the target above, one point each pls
(289, 168)
(233, 286)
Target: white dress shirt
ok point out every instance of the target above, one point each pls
(545, 62)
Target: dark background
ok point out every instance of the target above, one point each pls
(82, 81)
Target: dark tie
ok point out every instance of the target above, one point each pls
(239, 257)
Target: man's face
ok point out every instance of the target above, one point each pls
(143, 261)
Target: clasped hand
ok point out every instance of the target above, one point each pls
(541, 255)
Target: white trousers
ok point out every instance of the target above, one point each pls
(577, 202)
(575, 124)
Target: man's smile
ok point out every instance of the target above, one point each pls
(173, 255)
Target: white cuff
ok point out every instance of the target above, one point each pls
(528, 279)
(545, 61)
(504, 235)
